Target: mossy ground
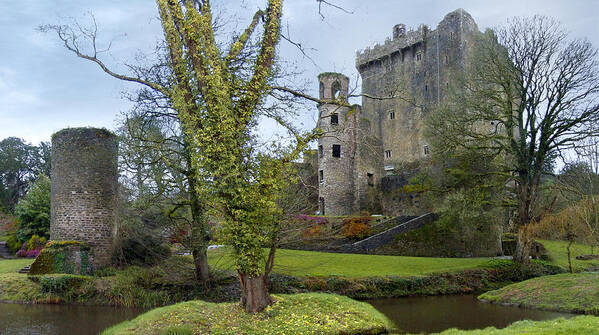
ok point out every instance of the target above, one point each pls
(310, 313)
(578, 293)
(582, 325)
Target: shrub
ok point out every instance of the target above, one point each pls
(313, 220)
(13, 243)
(145, 250)
(312, 231)
(357, 227)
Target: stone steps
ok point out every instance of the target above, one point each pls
(377, 240)
(25, 269)
(5, 251)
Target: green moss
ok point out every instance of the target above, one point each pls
(574, 326)
(577, 293)
(310, 313)
(57, 257)
(84, 130)
(335, 74)
(16, 287)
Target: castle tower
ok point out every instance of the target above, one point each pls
(84, 187)
(336, 148)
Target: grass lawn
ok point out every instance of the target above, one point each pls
(581, 325)
(13, 265)
(559, 254)
(578, 292)
(311, 263)
(308, 313)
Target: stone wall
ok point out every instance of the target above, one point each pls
(402, 80)
(84, 189)
(336, 169)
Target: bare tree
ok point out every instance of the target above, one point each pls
(528, 92)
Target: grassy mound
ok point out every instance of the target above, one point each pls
(310, 313)
(579, 325)
(577, 293)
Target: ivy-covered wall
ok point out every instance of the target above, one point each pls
(63, 257)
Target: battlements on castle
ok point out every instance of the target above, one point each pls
(391, 46)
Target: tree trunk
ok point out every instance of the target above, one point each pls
(570, 256)
(254, 297)
(202, 271)
(522, 253)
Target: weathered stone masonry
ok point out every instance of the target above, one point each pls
(383, 139)
(84, 189)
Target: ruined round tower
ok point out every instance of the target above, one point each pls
(84, 189)
(336, 148)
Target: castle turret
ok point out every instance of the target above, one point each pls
(336, 148)
(84, 189)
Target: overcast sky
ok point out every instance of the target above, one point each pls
(43, 88)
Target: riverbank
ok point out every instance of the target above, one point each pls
(173, 281)
(310, 313)
(573, 293)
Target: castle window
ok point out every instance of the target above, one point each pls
(321, 203)
(387, 153)
(426, 150)
(370, 177)
(320, 151)
(446, 59)
(452, 35)
(418, 56)
(336, 150)
(335, 90)
(335, 119)
(321, 176)
(425, 88)
(392, 115)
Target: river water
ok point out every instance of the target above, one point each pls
(438, 313)
(60, 319)
(416, 315)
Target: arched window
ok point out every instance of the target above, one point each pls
(335, 90)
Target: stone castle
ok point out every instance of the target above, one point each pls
(368, 152)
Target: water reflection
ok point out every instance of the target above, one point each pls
(60, 319)
(434, 314)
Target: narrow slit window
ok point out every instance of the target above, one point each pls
(418, 57)
(320, 151)
(370, 177)
(426, 150)
(446, 59)
(425, 88)
(392, 115)
(336, 150)
(387, 153)
(321, 176)
(335, 119)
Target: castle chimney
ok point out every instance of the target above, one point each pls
(399, 30)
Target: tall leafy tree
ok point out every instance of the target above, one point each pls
(218, 92)
(33, 211)
(20, 164)
(528, 92)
